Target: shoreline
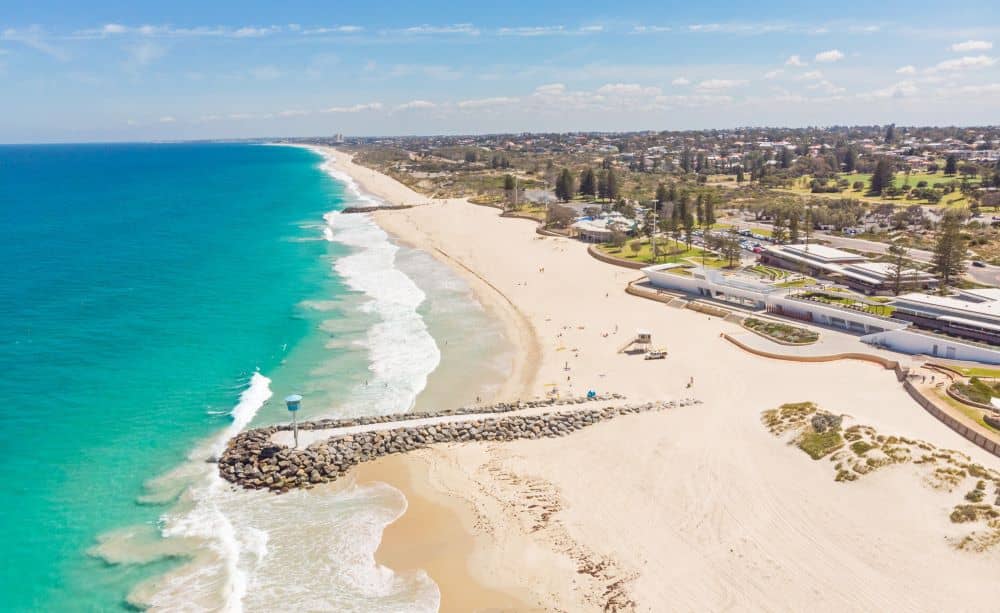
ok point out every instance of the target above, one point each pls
(698, 508)
(518, 329)
(435, 525)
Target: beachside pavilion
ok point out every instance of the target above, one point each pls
(973, 314)
(851, 269)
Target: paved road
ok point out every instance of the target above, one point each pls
(987, 275)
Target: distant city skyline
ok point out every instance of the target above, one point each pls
(112, 72)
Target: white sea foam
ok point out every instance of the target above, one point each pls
(307, 550)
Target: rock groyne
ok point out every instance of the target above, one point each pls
(254, 461)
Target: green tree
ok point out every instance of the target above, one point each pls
(890, 133)
(898, 254)
(610, 185)
(564, 185)
(949, 252)
(688, 228)
(588, 182)
(709, 220)
(778, 234)
(850, 160)
(661, 196)
(793, 226)
(950, 165)
(881, 177)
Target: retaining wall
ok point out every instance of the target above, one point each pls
(610, 259)
(970, 434)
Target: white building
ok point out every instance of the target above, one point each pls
(855, 271)
(891, 333)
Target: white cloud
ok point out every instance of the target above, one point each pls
(794, 60)
(252, 32)
(591, 29)
(628, 89)
(357, 108)
(986, 88)
(680, 81)
(833, 55)
(908, 69)
(963, 63)
(483, 103)
(531, 31)
(413, 105)
(972, 45)
(293, 113)
(812, 75)
(719, 84)
(902, 89)
(113, 28)
(167, 119)
(144, 53)
(552, 89)
(458, 28)
(334, 30)
(651, 29)
(826, 87)
(35, 38)
(773, 74)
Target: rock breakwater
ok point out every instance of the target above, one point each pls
(254, 461)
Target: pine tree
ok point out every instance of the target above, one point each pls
(949, 252)
(897, 266)
(661, 196)
(588, 182)
(850, 160)
(611, 184)
(793, 226)
(778, 229)
(564, 185)
(881, 177)
(890, 133)
(950, 165)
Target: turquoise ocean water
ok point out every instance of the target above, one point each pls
(157, 298)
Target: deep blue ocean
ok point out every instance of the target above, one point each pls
(143, 286)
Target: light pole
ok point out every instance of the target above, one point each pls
(292, 402)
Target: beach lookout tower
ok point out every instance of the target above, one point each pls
(293, 402)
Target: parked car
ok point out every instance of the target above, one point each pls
(978, 264)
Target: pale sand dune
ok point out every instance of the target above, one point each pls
(697, 508)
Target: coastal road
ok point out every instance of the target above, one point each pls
(987, 275)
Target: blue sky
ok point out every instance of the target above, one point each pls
(75, 71)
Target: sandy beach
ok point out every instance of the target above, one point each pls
(695, 508)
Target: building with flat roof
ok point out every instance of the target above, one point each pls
(855, 271)
(973, 314)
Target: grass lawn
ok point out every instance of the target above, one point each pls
(669, 253)
(971, 412)
(804, 282)
(874, 309)
(955, 199)
(977, 371)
